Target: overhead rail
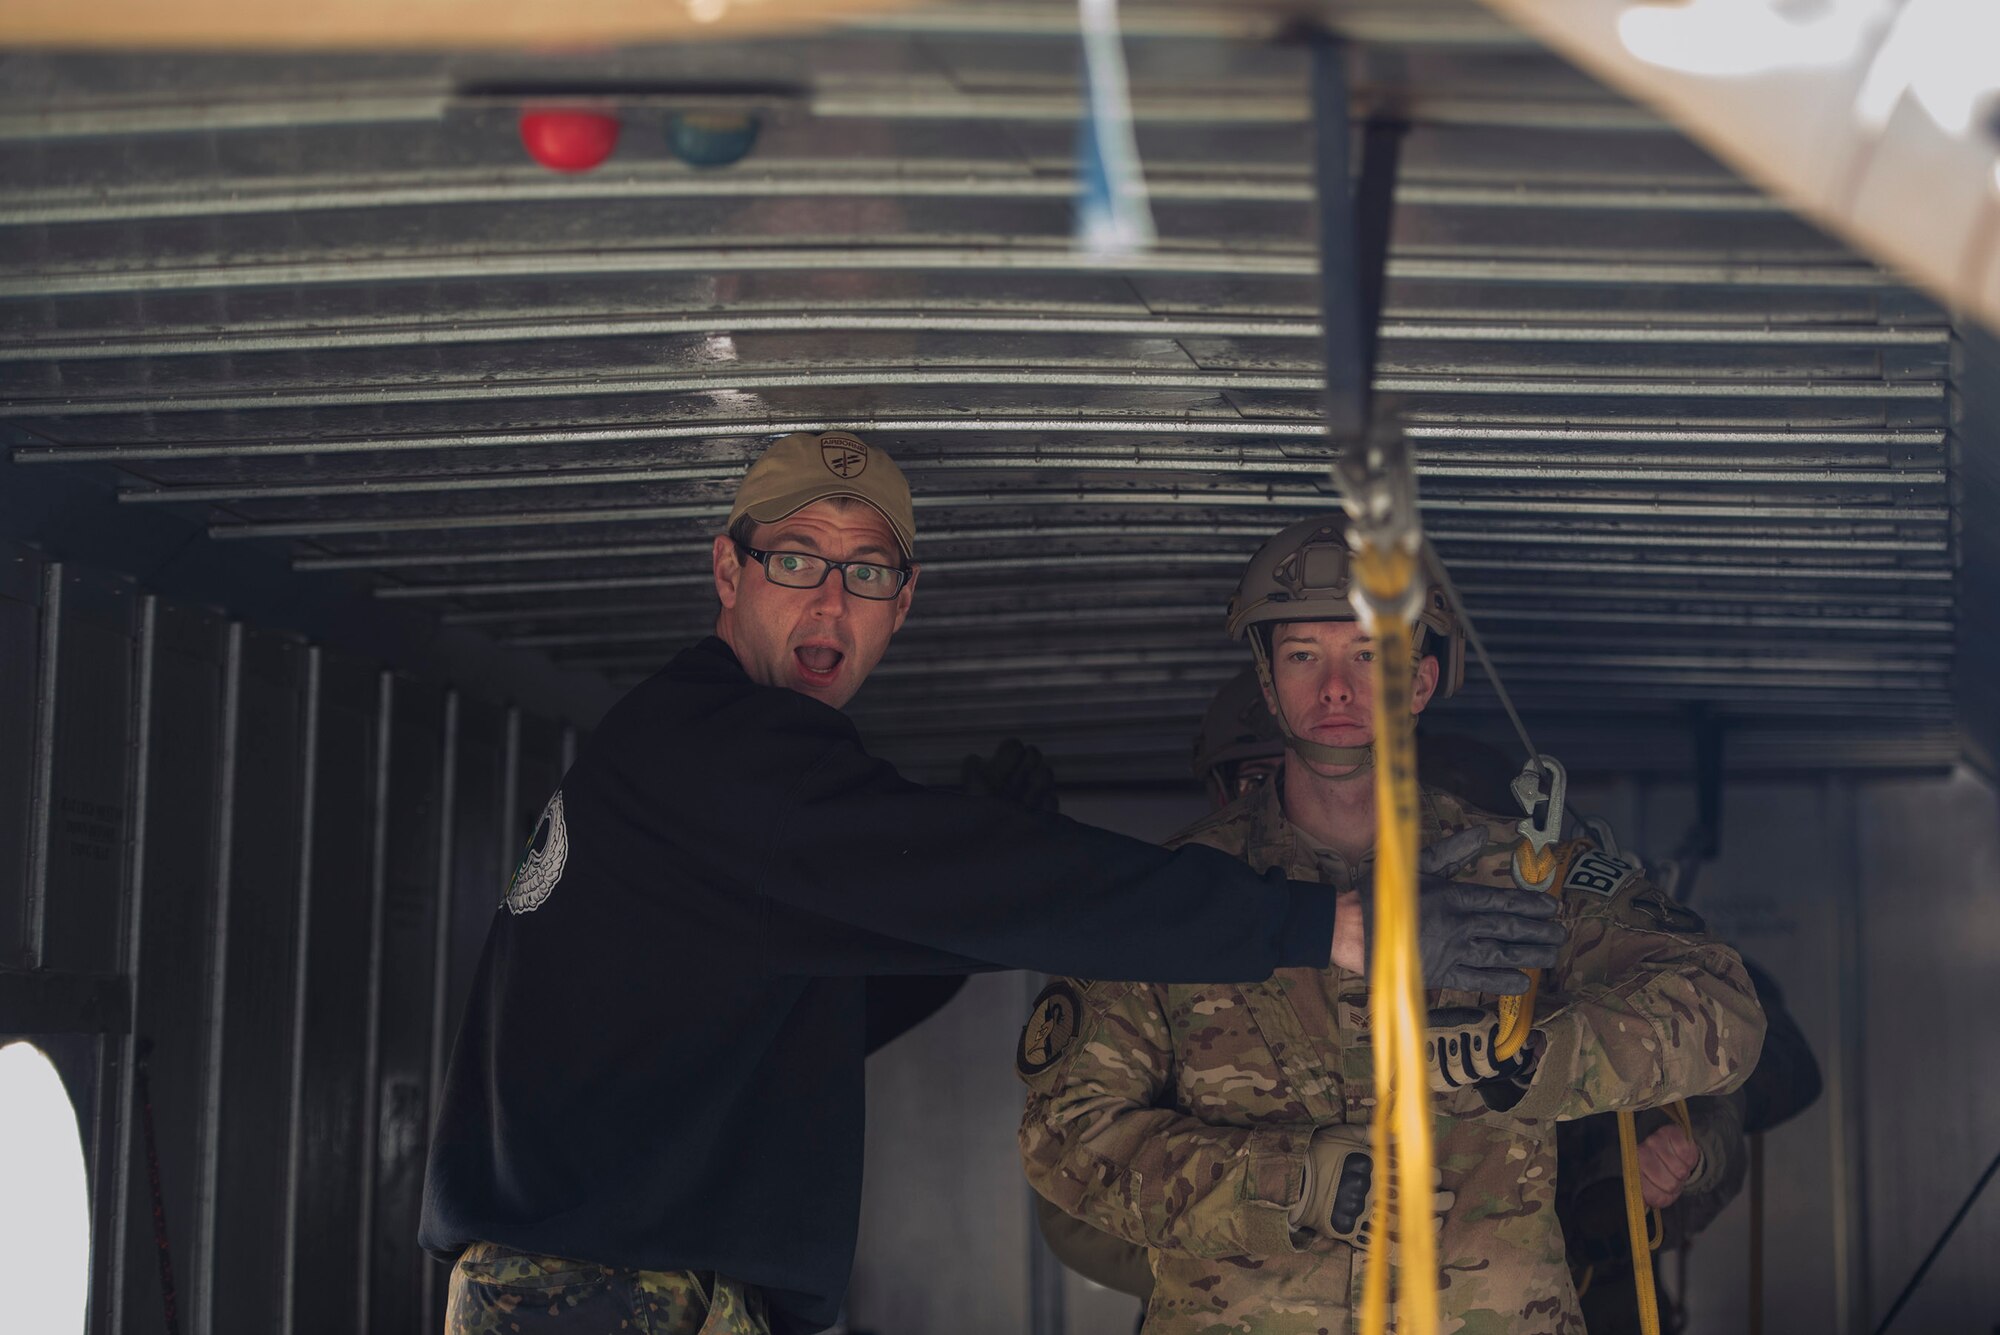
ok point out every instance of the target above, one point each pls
(1614, 431)
(978, 254)
(1223, 186)
(1135, 378)
(1725, 568)
(1856, 524)
(1649, 330)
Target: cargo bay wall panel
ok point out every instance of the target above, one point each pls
(268, 868)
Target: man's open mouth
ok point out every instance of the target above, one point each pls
(818, 660)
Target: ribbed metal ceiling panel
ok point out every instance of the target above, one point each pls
(1680, 448)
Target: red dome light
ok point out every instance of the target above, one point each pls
(569, 141)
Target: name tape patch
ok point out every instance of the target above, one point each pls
(1599, 873)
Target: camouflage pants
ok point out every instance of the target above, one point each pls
(499, 1292)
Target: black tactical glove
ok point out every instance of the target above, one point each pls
(1458, 1051)
(1475, 938)
(1014, 773)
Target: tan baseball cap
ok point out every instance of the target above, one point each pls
(802, 468)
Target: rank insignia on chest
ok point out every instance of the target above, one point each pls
(1599, 873)
(1051, 1025)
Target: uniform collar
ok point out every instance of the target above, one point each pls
(1276, 842)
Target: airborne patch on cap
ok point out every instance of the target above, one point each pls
(844, 456)
(1050, 1027)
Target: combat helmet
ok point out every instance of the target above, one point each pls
(1301, 573)
(1237, 727)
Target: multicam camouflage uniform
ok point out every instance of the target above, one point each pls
(495, 1291)
(1178, 1117)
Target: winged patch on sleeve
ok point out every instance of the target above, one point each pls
(542, 865)
(1051, 1025)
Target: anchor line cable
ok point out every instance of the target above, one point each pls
(1479, 647)
(166, 1256)
(1937, 1248)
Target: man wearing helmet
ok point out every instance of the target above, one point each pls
(1225, 1127)
(1687, 1180)
(1238, 748)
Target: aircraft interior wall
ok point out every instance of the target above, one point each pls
(352, 460)
(267, 868)
(273, 877)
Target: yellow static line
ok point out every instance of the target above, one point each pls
(1402, 1109)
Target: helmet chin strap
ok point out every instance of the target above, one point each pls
(1362, 758)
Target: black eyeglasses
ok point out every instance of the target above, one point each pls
(802, 570)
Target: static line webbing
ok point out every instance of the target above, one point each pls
(1635, 1225)
(1401, 1130)
(1755, 1324)
(1517, 1013)
(1638, 1217)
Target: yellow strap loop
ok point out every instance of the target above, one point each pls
(1756, 1316)
(1644, 1225)
(1517, 1014)
(1535, 865)
(1635, 1226)
(1395, 979)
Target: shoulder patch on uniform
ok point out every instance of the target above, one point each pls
(1057, 1015)
(542, 865)
(1655, 908)
(1599, 873)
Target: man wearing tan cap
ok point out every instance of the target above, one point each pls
(801, 626)
(653, 1116)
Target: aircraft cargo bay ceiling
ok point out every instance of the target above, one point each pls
(1681, 450)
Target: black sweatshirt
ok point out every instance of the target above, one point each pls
(661, 1061)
